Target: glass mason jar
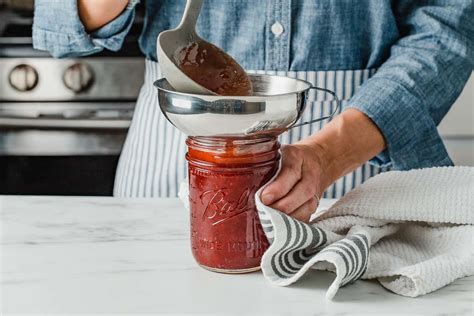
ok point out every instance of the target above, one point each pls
(224, 174)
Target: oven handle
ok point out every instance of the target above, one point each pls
(59, 123)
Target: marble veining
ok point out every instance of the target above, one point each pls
(104, 255)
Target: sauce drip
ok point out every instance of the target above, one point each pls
(213, 69)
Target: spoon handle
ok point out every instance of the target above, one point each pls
(190, 15)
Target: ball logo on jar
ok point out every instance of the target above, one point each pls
(220, 206)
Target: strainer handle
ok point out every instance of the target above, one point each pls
(338, 103)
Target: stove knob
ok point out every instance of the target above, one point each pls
(23, 78)
(78, 77)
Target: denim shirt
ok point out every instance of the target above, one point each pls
(424, 52)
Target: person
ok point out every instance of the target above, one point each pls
(397, 66)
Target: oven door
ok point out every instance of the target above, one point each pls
(75, 153)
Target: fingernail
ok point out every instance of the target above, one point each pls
(267, 198)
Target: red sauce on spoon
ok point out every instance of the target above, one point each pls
(213, 69)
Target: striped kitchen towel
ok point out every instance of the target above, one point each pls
(411, 230)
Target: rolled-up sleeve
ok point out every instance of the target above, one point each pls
(58, 29)
(425, 73)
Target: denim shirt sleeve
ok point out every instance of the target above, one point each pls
(58, 29)
(413, 90)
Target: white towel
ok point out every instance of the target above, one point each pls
(411, 230)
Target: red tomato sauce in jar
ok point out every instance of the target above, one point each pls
(224, 174)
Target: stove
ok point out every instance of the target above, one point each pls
(61, 119)
(88, 99)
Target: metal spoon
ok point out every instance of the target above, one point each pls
(170, 41)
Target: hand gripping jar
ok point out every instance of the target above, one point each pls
(224, 174)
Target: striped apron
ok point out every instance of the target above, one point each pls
(152, 163)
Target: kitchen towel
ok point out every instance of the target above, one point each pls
(411, 230)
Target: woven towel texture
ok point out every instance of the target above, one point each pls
(411, 230)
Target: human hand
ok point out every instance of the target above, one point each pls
(301, 181)
(313, 164)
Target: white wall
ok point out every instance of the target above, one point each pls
(457, 128)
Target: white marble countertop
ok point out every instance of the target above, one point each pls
(104, 255)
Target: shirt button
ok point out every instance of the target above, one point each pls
(277, 28)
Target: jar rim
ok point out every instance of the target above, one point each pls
(229, 151)
(231, 167)
(205, 141)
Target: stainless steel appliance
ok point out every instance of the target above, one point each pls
(62, 122)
